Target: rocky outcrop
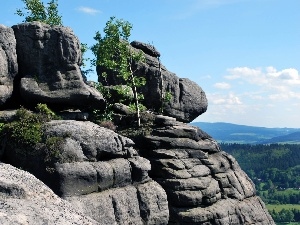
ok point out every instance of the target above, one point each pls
(26, 200)
(177, 175)
(188, 100)
(8, 62)
(204, 185)
(49, 58)
(95, 169)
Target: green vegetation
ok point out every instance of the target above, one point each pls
(113, 53)
(26, 129)
(35, 10)
(275, 170)
(286, 214)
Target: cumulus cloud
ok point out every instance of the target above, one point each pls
(222, 85)
(261, 76)
(88, 10)
(229, 99)
(271, 83)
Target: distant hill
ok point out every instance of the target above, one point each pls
(233, 133)
(293, 138)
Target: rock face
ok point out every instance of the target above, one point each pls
(8, 62)
(204, 184)
(49, 59)
(188, 100)
(26, 200)
(179, 175)
(98, 171)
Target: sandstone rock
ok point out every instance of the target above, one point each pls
(204, 185)
(76, 178)
(7, 116)
(146, 48)
(145, 204)
(98, 171)
(188, 99)
(49, 58)
(153, 203)
(97, 143)
(26, 200)
(8, 62)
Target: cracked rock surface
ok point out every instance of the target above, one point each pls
(26, 200)
(204, 184)
(98, 172)
(49, 59)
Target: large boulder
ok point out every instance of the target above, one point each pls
(49, 58)
(26, 200)
(8, 62)
(95, 169)
(204, 184)
(188, 100)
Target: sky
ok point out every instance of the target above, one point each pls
(244, 54)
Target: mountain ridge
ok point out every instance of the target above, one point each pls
(244, 134)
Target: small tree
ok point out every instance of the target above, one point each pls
(36, 11)
(114, 53)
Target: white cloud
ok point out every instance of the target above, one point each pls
(222, 85)
(258, 96)
(88, 10)
(270, 79)
(218, 99)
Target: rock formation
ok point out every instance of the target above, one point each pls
(26, 200)
(97, 171)
(204, 184)
(188, 100)
(172, 173)
(49, 58)
(8, 62)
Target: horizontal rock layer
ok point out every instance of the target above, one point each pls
(204, 185)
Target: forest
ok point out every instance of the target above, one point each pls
(275, 170)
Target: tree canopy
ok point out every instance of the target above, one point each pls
(35, 10)
(113, 52)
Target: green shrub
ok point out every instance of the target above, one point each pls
(25, 130)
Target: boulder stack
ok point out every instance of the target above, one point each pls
(49, 58)
(204, 185)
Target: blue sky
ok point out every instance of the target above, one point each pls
(245, 54)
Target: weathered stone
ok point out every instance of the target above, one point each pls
(226, 211)
(146, 48)
(185, 198)
(198, 183)
(73, 115)
(140, 168)
(217, 162)
(49, 58)
(153, 203)
(26, 200)
(7, 116)
(145, 204)
(8, 62)
(199, 171)
(98, 206)
(97, 143)
(157, 142)
(76, 178)
(199, 178)
(122, 172)
(105, 175)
